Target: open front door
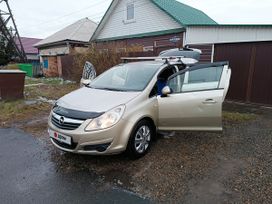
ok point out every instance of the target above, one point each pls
(196, 99)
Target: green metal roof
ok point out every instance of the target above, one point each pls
(184, 14)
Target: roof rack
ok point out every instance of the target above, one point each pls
(181, 59)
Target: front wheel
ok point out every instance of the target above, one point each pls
(140, 139)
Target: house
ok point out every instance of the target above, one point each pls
(154, 25)
(146, 25)
(32, 53)
(72, 39)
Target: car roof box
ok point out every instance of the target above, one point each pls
(186, 52)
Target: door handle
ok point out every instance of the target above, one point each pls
(209, 101)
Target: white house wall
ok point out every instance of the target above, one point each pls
(63, 50)
(227, 34)
(148, 18)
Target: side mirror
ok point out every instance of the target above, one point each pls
(165, 91)
(84, 82)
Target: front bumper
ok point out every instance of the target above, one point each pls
(114, 139)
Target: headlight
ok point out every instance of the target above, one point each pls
(106, 120)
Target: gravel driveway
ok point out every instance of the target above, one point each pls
(234, 166)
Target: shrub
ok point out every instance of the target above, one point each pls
(102, 61)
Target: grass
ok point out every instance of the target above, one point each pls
(46, 81)
(238, 117)
(20, 110)
(50, 92)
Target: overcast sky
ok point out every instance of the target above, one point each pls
(41, 18)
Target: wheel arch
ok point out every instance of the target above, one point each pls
(151, 121)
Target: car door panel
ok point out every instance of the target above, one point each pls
(197, 105)
(192, 111)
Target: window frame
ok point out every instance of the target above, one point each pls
(126, 20)
(185, 72)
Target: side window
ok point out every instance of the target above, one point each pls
(202, 79)
(210, 74)
(175, 83)
(196, 80)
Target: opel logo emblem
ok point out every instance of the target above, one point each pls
(61, 120)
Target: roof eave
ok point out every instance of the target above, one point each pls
(62, 43)
(98, 28)
(157, 33)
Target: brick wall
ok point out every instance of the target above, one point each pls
(52, 70)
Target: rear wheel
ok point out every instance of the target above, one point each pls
(140, 139)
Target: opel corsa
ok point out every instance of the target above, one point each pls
(122, 109)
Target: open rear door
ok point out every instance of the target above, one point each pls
(196, 99)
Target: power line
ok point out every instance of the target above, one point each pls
(11, 35)
(69, 14)
(95, 16)
(101, 14)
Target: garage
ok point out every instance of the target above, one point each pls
(252, 70)
(248, 49)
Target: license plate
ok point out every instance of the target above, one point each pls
(60, 137)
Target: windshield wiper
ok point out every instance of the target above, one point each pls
(108, 89)
(112, 89)
(88, 86)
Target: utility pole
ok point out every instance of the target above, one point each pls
(9, 30)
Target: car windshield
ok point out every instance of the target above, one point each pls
(126, 77)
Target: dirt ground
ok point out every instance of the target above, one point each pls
(234, 166)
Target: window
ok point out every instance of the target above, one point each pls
(210, 74)
(176, 83)
(45, 63)
(196, 80)
(130, 11)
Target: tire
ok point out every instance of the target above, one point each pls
(140, 139)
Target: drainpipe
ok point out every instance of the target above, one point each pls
(212, 57)
(68, 47)
(184, 38)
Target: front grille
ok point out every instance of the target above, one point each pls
(66, 146)
(65, 123)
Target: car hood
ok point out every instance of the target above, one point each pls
(95, 100)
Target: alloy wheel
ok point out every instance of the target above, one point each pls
(142, 139)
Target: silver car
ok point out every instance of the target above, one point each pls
(124, 108)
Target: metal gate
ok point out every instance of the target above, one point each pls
(251, 70)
